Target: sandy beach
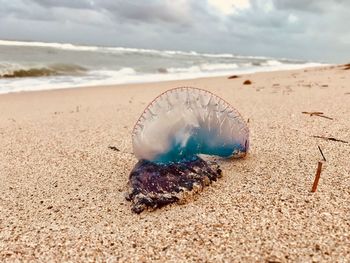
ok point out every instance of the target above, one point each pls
(62, 188)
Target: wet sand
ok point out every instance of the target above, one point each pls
(62, 187)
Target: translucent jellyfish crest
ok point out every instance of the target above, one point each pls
(184, 122)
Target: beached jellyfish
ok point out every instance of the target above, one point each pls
(177, 127)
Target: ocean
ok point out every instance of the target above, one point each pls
(28, 66)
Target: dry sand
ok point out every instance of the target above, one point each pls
(62, 188)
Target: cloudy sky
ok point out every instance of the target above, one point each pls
(304, 29)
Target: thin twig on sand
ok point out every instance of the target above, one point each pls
(317, 177)
(346, 66)
(329, 139)
(113, 148)
(324, 158)
(326, 117)
(317, 113)
(311, 113)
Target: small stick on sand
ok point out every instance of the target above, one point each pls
(324, 158)
(317, 177)
(312, 112)
(113, 148)
(346, 66)
(326, 117)
(330, 139)
(318, 114)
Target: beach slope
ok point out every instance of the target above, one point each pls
(66, 155)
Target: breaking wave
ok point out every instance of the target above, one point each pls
(27, 66)
(14, 71)
(126, 50)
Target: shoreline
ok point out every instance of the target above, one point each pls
(165, 75)
(62, 186)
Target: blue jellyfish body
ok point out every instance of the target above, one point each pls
(168, 138)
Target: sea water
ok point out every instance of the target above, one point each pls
(26, 66)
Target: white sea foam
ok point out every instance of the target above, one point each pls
(126, 75)
(272, 63)
(205, 67)
(103, 49)
(66, 46)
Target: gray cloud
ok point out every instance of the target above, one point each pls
(316, 6)
(77, 4)
(140, 12)
(301, 5)
(146, 12)
(315, 30)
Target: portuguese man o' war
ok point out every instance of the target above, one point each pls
(174, 130)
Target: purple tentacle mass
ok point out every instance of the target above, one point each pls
(154, 185)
